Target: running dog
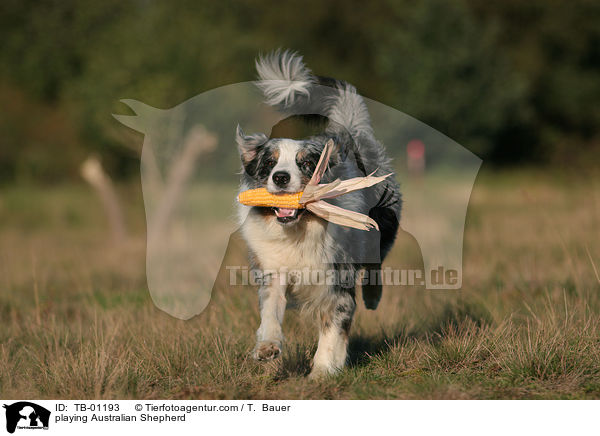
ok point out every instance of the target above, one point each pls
(281, 240)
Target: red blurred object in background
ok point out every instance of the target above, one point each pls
(415, 156)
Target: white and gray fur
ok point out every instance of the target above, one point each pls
(309, 241)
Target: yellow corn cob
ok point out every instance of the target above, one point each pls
(262, 197)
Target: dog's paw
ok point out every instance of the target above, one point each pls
(321, 372)
(266, 350)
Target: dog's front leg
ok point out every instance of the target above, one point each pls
(269, 336)
(334, 327)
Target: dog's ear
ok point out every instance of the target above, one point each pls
(344, 143)
(249, 145)
(345, 147)
(339, 152)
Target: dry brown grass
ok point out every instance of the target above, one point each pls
(77, 320)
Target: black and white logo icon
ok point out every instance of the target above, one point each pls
(26, 415)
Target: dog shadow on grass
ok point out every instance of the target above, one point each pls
(453, 315)
(454, 310)
(296, 361)
(297, 358)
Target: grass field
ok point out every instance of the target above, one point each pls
(77, 321)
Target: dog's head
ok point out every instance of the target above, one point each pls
(281, 165)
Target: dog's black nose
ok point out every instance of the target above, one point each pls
(281, 178)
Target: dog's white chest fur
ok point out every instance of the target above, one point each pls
(305, 245)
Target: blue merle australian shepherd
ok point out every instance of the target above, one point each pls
(282, 240)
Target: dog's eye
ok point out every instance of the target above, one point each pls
(307, 166)
(271, 163)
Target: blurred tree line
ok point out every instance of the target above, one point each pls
(512, 81)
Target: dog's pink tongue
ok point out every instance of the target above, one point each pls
(283, 212)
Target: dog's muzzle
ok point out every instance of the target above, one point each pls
(287, 216)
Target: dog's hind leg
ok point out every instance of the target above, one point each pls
(372, 286)
(334, 327)
(386, 214)
(269, 336)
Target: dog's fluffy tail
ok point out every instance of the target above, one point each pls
(290, 86)
(284, 79)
